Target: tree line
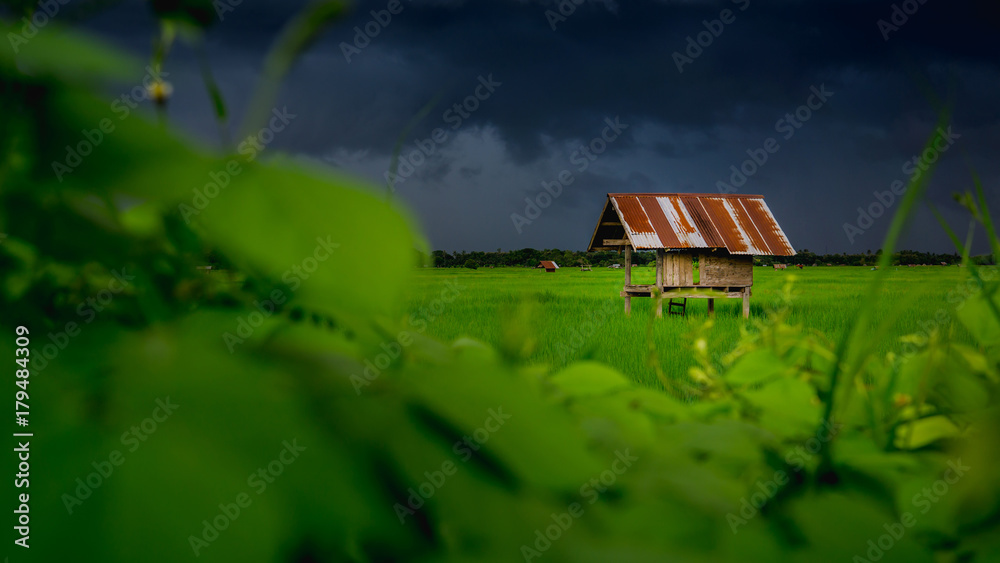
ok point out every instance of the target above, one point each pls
(530, 257)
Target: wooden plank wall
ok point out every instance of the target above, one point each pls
(678, 269)
(719, 270)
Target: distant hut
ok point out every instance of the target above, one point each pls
(549, 265)
(723, 231)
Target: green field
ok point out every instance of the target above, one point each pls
(556, 318)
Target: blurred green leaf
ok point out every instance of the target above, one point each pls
(585, 379)
(325, 261)
(64, 55)
(919, 433)
(756, 367)
(789, 407)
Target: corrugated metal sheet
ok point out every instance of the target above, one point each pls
(769, 229)
(658, 219)
(742, 224)
(640, 230)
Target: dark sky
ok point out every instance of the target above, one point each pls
(616, 59)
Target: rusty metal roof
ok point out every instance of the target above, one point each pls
(741, 224)
(548, 265)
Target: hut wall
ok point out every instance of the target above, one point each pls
(717, 270)
(678, 269)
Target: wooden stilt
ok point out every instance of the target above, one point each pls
(746, 302)
(628, 278)
(659, 282)
(659, 268)
(711, 307)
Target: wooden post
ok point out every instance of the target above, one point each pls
(628, 265)
(659, 268)
(711, 307)
(746, 302)
(659, 282)
(628, 278)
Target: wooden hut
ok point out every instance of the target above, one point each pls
(549, 265)
(723, 231)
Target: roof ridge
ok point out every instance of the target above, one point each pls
(681, 194)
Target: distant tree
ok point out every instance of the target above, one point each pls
(530, 257)
(471, 264)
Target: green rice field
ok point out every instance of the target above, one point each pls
(556, 318)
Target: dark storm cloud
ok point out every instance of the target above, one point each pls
(598, 63)
(610, 59)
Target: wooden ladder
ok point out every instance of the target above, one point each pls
(681, 308)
